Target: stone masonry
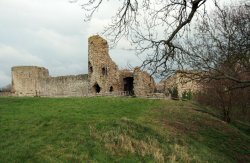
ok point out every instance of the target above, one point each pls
(103, 72)
(103, 77)
(182, 82)
(35, 81)
(144, 84)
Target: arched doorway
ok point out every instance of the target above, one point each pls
(97, 88)
(128, 85)
(111, 89)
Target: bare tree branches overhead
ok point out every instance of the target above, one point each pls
(220, 46)
(150, 25)
(157, 30)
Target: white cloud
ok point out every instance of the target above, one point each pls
(46, 33)
(11, 56)
(52, 34)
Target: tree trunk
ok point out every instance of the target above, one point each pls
(226, 115)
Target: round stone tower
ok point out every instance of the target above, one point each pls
(25, 79)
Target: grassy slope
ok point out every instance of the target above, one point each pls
(115, 130)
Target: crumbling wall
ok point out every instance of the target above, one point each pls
(143, 83)
(127, 81)
(182, 82)
(35, 81)
(103, 72)
(103, 76)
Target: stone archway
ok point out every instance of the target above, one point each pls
(97, 88)
(111, 89)
(128, 85)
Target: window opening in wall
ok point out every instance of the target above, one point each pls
(97, 88)
(104, 71)
(90, 68)
(111, 89)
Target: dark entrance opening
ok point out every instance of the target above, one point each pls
(97, 88)
(104, 71)
(128, 85)
(90, 68)
(111, 89)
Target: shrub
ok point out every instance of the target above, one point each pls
(187, 95)
(174, 93)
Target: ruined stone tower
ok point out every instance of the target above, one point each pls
(25, 79)
(102, 71)
(103, 77)
(35, 81)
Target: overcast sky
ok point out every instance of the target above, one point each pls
(51, 34)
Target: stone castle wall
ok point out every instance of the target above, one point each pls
(102, 71)
(25, 79)
(73, 85)
(182, 82)
(35, 81)
(103, 77)
(144, 84)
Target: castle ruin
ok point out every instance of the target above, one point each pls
(103, 77)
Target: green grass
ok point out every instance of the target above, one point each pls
(105, 129)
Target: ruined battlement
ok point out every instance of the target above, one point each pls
(29, 72)
(35, 81)
(98, 49)
(103, 77)
(72, 77)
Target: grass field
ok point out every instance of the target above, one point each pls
(105, 129)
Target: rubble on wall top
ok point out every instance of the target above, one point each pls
(97, 38)
(20, 67)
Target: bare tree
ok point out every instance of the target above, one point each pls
(153, 26)
(6, 88)
(232, 104)
(219, 53)
(156, 29)
(220, 47)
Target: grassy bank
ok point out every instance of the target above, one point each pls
(115, 130)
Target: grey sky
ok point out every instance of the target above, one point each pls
(52, 34)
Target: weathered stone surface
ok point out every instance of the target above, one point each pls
(73, 85)
(144, 84)
(127, 81)
(25, 79)
(103, 72)
(182, 82)
(35, 81)
(103, 77)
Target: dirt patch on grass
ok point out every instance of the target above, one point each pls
(180, 128)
